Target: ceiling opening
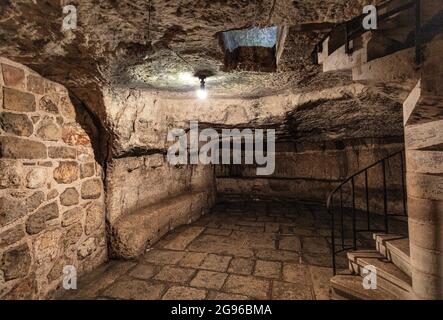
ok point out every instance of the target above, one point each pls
(252, 49)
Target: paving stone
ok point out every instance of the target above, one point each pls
(268, 269)
(144, 271)
(241, 266)
(217, 247)
(305, 232)
(218, 232)
(216, 263)
(324, 260)
(287, 230)
(290, 291)
(272, 227)
(320, 279)
(134, 290)
(247, 285)
(290, 243)
(193, 259)
(184, 293)
(92, 283)
(254, 240)
(278, 255)
(251, 229)
(295, 273)
(175, 274)
(315, 245)
(266, 219)
(182, 239)
(157, 256)
(209, 279)
(226, 296)
(247, 223)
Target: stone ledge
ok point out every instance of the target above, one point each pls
(135, 232)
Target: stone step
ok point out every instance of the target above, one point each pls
(395, 248)
(350, 287)
(389, 277)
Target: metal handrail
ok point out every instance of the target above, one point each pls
(339, 190)
(350, 34)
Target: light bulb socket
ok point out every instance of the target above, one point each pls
(202, 82)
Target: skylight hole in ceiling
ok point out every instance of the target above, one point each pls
(253, 49)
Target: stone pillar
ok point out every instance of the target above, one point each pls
(423, 113)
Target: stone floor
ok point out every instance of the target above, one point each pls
(253, 250)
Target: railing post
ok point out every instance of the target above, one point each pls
(347, 50)
(341, 220)
(367, 199)
(385, 197)
(331, 212)
(403, 185)
(418, 32)
(354, 222)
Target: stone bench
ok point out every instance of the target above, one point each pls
(133, 233)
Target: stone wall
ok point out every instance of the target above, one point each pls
(136, 182)
(310, 171)
(423, 115)
(51, 192)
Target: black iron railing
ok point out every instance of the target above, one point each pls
(349, 219)
(350, 30)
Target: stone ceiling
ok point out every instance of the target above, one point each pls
(159, 44)
(131, 62)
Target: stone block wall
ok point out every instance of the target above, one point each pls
(137, 182)
(424, 146)
(310, 171)
(51, 191)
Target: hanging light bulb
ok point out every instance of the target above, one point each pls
(202, 94)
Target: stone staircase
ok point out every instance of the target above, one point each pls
(390, 259)
(387, 54)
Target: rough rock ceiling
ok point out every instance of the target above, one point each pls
(159, 44)
(131, 62)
